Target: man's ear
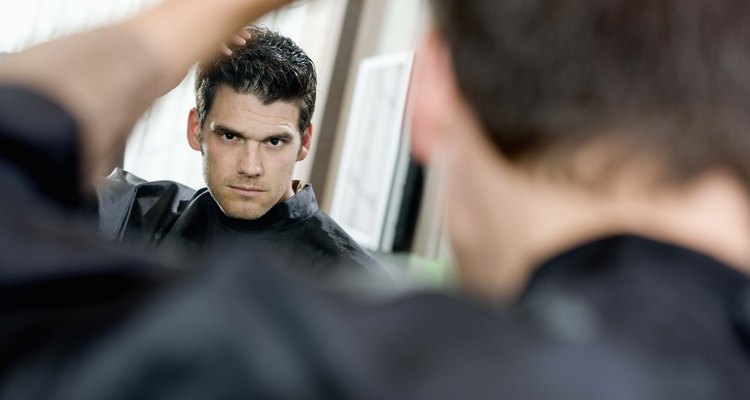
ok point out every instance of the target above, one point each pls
(194, 130)
(304, 150)
(436, 96)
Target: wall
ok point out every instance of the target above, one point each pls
(387, 27)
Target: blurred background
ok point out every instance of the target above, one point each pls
(359, 165)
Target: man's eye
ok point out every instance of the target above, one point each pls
(275, 141)
(229, 136)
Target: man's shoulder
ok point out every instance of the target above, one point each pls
(658, 300)
(127, 202)
(122, 178)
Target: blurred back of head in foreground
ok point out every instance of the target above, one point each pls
(599, 115)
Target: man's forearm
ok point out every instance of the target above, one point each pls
(204, 24)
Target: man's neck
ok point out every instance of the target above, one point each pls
(710, 215)
(505, 222)
(297, 185)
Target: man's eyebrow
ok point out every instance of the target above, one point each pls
(280, 135)
(221, 129)
(218, 128)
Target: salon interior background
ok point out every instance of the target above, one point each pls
(337, 34)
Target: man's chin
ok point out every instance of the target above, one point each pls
(243, 214)
(248, 216)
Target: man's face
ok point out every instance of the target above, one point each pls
(249, 150)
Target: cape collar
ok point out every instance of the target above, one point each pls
(295, 209)
(625, 259)
(628, 276)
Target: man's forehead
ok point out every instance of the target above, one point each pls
(237, 110)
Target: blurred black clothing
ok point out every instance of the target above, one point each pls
(682, 316)
(619, 318)
(224, 331)
(58, 283)
(38, 149)
(177, 219)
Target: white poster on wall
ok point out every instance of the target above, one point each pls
(372, 148)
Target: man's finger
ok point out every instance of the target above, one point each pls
(225, 50)
(238, 40)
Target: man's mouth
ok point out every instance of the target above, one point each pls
(247, 191)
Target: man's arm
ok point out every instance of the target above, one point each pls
(107, 78)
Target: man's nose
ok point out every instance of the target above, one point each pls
(250, 162)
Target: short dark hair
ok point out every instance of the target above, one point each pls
(543, 74)
(269, 66)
